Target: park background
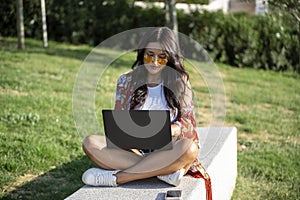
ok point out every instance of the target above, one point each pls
(256, 54)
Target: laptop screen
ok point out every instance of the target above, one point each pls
(137, 129)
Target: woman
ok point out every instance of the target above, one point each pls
(158, 81)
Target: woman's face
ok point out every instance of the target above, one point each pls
(155, 59)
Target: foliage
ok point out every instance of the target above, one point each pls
(79, 21)
(243, 40)
(291, 7)
(8, 18)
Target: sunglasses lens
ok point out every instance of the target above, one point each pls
(148, 59)
(162, 61)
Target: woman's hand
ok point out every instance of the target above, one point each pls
(176, 130)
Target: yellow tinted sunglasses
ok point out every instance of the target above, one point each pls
(150, 59)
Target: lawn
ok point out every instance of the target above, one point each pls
(41, 156)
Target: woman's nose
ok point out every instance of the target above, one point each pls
(155, 61)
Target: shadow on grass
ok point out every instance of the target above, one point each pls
(78, 52)
(54, 49)
(57, 183)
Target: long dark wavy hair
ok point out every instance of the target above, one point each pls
(174, 80)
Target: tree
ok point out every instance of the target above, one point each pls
(20, 25)
(44, 24)
(171, 15)
(290, 6)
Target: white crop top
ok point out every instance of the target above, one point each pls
(156, 100)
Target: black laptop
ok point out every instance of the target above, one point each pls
(137, 129)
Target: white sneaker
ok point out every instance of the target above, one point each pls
(174, 178)
(100, 177)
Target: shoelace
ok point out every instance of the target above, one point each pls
(101, 177)
(106, 178)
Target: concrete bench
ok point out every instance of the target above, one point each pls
(218, 154)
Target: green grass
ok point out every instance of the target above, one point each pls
(41, 156)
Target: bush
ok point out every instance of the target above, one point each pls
(243, 40)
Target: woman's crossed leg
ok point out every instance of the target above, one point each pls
(132, 166)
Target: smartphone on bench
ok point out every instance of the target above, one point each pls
(173, 195)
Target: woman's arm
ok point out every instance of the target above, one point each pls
(187, 122)
(123, 92)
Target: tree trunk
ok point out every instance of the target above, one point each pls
(171, 15)
(20, 25)
(45, 35)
